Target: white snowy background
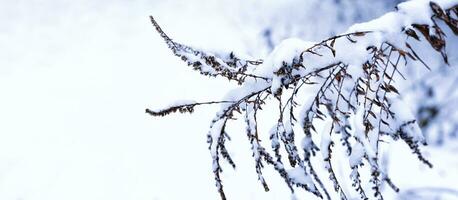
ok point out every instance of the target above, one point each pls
(76, 76)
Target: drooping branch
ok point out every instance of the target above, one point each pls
(182, 107)
(227, 65)
(348, 81)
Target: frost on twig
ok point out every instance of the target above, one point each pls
(348, 81)
(210, 64)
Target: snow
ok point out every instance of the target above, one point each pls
(326, 140)
(410, 12)
(359, 133)
(275, 143)
(287, 51)
(403, 115)
(174, 104)
(306, 143)
(298, 175)
(356, 155)
(417, 12)
(215, 134)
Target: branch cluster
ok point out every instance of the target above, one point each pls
(347, 82)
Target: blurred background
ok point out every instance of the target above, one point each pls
(76, 76)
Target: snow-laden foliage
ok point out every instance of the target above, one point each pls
(426, 92)
(346, 82)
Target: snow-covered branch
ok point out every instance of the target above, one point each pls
(211, 64)
(347, 82)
